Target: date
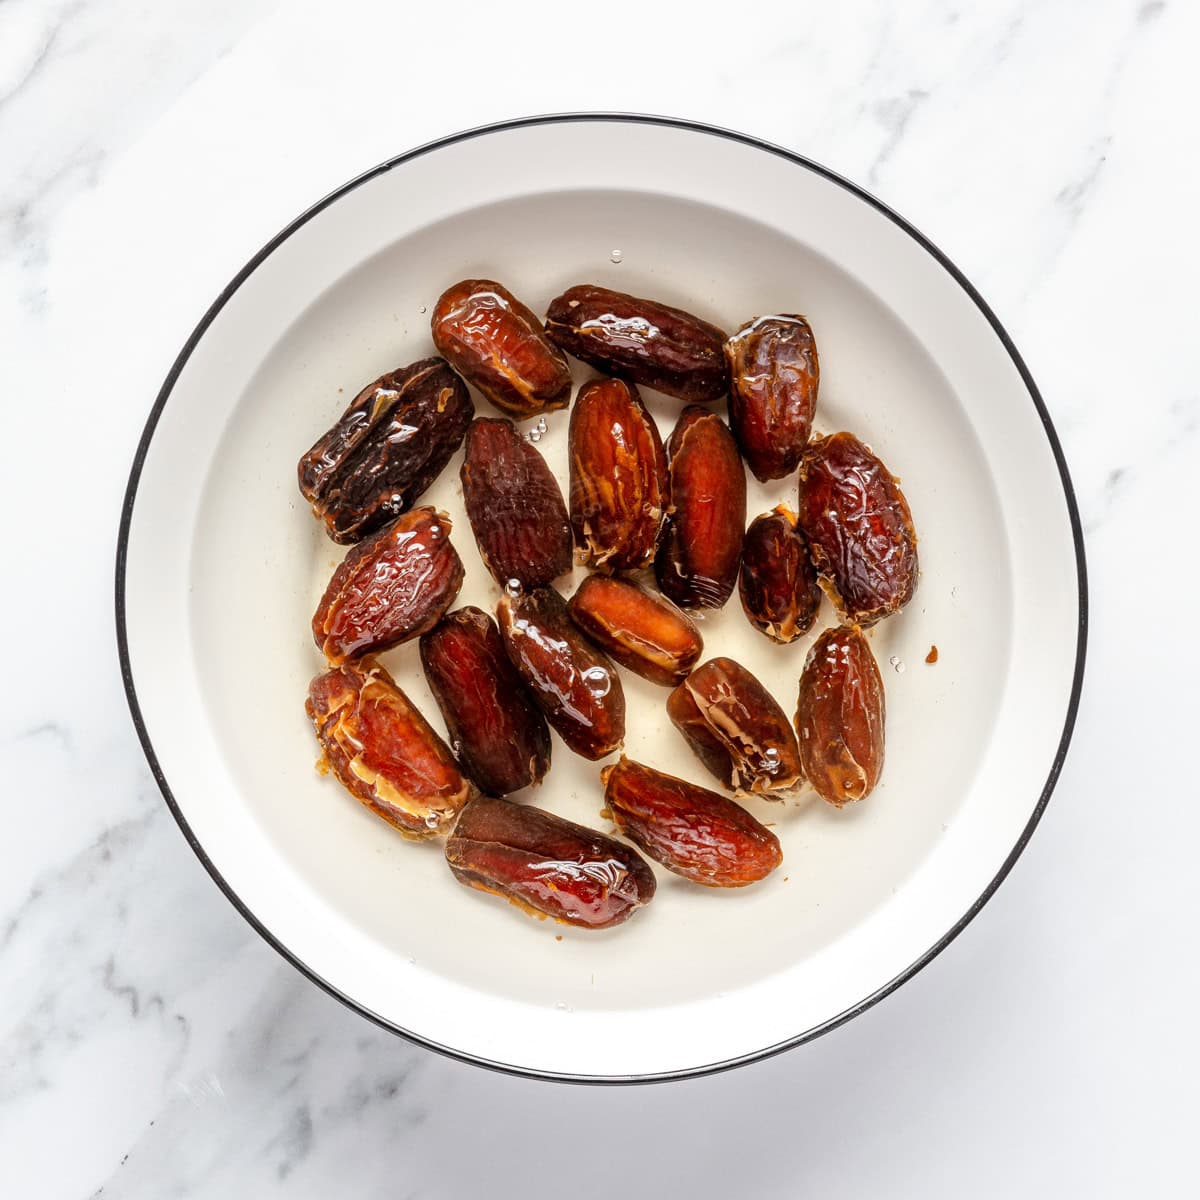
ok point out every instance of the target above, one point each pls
(515, 506)
(386, 449)
(618, 476)
(644, 633)
(696, 833)
(390, 588)
(774, 374)
(575, 684)
(778, 585)
(653, 344)
(383, 751)
(736, 728)
(547, 866)
(701, 547)
(497, 344)
(498, 732)
(859, 529)
(840, 716)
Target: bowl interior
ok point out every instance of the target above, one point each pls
(224, 613)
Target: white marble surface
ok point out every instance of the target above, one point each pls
(150, 1045)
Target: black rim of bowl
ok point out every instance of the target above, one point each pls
(694, 127)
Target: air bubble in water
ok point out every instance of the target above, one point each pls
(421, 309)
(513, 588)
(616, 256)
(897, 665)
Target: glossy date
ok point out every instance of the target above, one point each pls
(777, 583)
(386, 449)
(694, 832)
(389, 588)
(547, 866)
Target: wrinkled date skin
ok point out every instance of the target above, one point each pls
(653, 344)
(644, 633)
(618, 476)
(390, 588)
(515, 506)
(840, 716)
(701, 835)
(737, 729)
(774, 374)
(499, 733)
(497, 344)
(386, 449)
(574, 683)
(701, 546)
(383, 751)
(778, 585)
(859, 529)
(546, 866)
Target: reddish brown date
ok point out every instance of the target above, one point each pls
(653, 344)
(389, 588)
(546, 866)
(574, 683)
(497, 344)
(618, 476)
(840, 716)
(515, 506)
(703, 836)
(645, 633)
(774, 374)
(736, 727)
(859, 529)
(498, 732)
(701, 546)
(778, 585)
(386, 449)
(383, 751)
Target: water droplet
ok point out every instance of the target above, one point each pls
(534, 436)
(598, 681)
(897, 664)
(421, 309)
(432, 821)
(616, 256)
(541, 425)
(513, 588)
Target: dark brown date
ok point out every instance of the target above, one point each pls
(383, 751)
(386, 449)
(701, 835)
(701, 546)
(546, 866)
(840, 716)
(645, 633)
(574, 683)
(498, 731)
(618, 476)
(736, 728)
(774, 374)
(859, 529)
(515, 506)
(390, 588)
(497, 344)
(778, 585)
(653, 344)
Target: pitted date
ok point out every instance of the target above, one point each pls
(701, 546)
(498, 732)
(383, 751)
(653, 344)
(618, 476)
(386, 449)
(774, 375)
(840, 716)
(390, 588)
(778, 585)
(546, 866)
(737, 729)
(515, 506)
(696, 833)
(859, 529)
(644, 633)
(574, 684)
(498, 344)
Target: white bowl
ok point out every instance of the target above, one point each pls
(220, 565)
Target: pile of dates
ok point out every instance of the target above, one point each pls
(636, 509)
